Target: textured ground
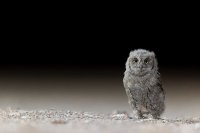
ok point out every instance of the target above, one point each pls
(92, 91)
(52, 121)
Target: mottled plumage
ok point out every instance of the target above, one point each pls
(142, 84)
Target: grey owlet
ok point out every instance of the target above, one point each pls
(143, 85)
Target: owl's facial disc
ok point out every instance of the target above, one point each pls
(140, 66)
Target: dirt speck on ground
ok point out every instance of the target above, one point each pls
(60, 121)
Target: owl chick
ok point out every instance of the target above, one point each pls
(143, 85)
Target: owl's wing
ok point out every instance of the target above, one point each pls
(161, 89)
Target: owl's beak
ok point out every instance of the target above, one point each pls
(140, 69)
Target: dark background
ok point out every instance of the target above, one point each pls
(95, 55)
(96, 38)
(96, 51)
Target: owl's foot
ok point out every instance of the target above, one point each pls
(156, 117)
(140, 115)
(147, 116)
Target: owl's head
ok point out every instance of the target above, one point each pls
(141, 62)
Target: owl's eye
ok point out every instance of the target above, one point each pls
(147, 60)
(135, 60)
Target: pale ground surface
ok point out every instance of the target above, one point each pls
(73, 95)
(54, 121)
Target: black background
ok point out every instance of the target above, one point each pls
(86, 39)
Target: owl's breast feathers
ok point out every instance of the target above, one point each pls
(137, 89)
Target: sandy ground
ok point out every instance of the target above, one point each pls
(60, 121)
(83, 102)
